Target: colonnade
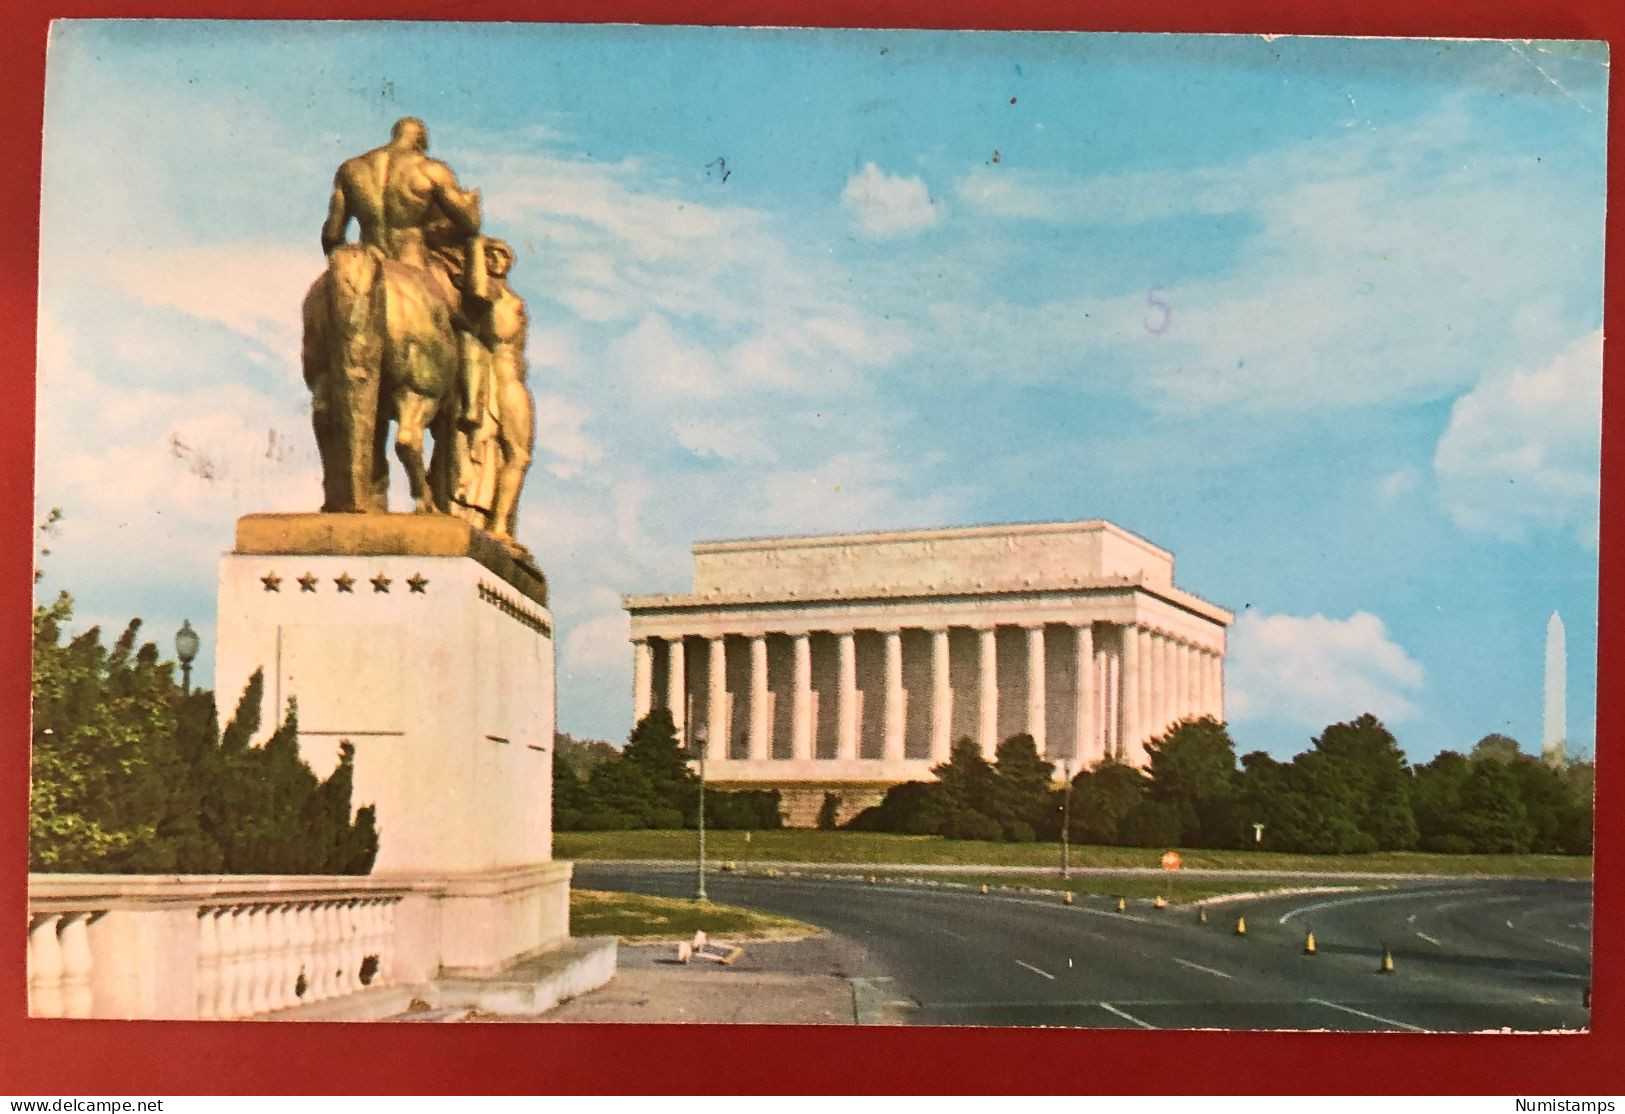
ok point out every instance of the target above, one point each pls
(1111, 686)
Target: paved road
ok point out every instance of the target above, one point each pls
(1468, 954)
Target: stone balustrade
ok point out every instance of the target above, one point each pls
(220, 947)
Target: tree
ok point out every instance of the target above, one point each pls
(1102, 798)
(1360, 765)
(570, 798)
(1193, 774)
(1022, 785)
(968, 792)
(1495, 748)
(1494, 819)
(621, 795)
(653, 749)
(132, 775)
(1436, 801)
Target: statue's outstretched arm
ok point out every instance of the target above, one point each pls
(338, 215)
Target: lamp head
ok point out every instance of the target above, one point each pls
(186, 642)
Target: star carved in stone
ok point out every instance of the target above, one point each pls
(272, 582)
(345, 582)
(418, 583)
(307, 583)
(380, 583)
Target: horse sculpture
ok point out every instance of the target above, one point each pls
(379, 347)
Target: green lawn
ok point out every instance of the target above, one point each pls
(637, 917)
(802, 845)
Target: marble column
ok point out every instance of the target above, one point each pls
(719, 746)
(642, 678)
(1037, 690)
(846, 723)
(1170, 684)
(801, 748)
(896, 699)
(1131, 689)
(760, 724)
(1190, 703)
(1218, 687)
(987, 705)
(677, 687)
(1083, 697)
(942, 699)
(1111, 705)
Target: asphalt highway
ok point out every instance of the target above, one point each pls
(1468, 955)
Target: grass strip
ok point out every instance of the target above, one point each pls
(639, 917)
(811, 846)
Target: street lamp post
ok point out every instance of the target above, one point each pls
(1066, 819)
(186, 647)
(699, 749)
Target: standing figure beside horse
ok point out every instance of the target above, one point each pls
(399, 328)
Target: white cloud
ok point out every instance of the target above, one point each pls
(561, 440)
(1397, 484)
(887, 205)
(252, 289)
(746, 440)
(600, 645)
(1522, 449)
(1310, 670)
(1370, 266)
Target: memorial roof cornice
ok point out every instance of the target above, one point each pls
(687, 601)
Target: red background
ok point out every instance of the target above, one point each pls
(155, 1058)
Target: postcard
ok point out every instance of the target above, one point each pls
(631, 524)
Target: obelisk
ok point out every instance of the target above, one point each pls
(1553, 738)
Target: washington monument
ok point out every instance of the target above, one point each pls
(1552, 739)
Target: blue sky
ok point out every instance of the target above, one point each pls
(1321, 316)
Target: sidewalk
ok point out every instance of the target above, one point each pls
(820, 980)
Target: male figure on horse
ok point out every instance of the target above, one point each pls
(386, 337)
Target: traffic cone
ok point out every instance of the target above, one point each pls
(1067, 897)
(1161, 902)
(1122, 905)
(871, 879)
(1309, 943)
(1241, 926)
(984, 887)
(1387, 965)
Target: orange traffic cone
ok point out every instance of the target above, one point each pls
(1387, 965)
(984, 887)
(1241, 926)
(1309, 943)
(1122, 905)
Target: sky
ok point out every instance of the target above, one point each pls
(1320, 316)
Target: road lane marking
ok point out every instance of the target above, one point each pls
(1109, 1008)
(1199, 967)
(1561, 974)
(1563, 944)
(1035, 970)
(1430, 939)
(1392, 895)
(1370, 1016)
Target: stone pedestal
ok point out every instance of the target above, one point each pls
(422, 642)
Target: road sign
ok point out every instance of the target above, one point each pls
(1170, 860)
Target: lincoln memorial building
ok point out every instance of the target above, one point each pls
(849, 663)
